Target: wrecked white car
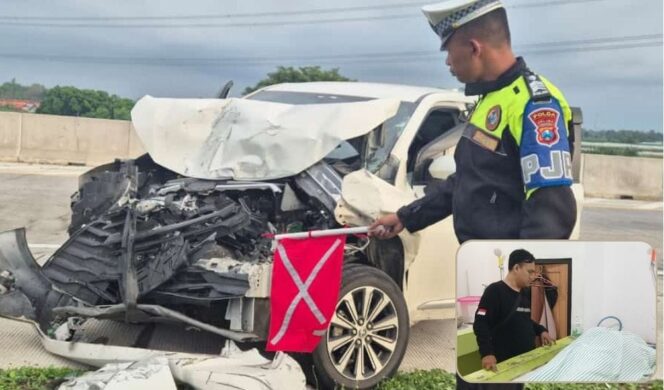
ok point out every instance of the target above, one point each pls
(179, 234)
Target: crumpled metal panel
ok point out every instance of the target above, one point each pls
(147, 374)
(236, 369)
(135, 367)
(366, 197)
(246, 139)
(26, 293)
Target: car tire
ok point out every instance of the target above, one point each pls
(364, 343)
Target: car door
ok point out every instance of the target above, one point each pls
(429, 280)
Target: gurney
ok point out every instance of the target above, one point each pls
(597, 355)
(469, 360)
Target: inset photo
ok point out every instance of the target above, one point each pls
(556, 311)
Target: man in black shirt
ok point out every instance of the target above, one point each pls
(503, 326)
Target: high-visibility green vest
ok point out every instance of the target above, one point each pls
(513, 165)
(512, 106)
(507, 105)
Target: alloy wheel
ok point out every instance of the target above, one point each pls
(363, 333)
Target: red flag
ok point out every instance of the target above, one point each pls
(306, 276)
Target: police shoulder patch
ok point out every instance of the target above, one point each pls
(493, 118)
(545, 121)
(546, 159)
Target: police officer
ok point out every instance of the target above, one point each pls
(513, 161)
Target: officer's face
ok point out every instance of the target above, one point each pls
(462, 59)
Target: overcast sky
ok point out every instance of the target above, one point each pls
(605, 55)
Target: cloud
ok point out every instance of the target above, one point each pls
(607, 83)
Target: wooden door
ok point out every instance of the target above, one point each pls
(558, 274)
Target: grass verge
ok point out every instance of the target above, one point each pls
(34, 378)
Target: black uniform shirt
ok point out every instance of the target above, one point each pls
(486, 195)
(502, 323)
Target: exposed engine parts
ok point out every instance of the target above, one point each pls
(144, 237)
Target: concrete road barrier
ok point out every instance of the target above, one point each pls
(52, 139)
(135, 146)
(622, 177)
(107, 140)
(72, 140)
(10, 135)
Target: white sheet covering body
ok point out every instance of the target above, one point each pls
(599, 355)
(248, 139)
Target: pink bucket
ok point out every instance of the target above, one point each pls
(466, 308)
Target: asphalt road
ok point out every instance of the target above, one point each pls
(614, 224)
(37, 198)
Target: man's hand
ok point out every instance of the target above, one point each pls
(489, 363)
(546, 339)
(386, 227)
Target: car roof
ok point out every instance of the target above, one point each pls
(408, 93)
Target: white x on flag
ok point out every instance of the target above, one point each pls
(303, 289)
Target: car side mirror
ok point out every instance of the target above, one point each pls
(442, 167)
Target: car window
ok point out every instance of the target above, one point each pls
(344, 151)
(392, 129)
(436, 124)
(432, 150)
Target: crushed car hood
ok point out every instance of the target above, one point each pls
(247, 139)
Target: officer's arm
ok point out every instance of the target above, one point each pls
(549, 212)
(433, 207)
(550, 209)
(485, 319)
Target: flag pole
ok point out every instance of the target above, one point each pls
(323, 233)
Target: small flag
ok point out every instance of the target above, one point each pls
(306, 278)
(481, 312)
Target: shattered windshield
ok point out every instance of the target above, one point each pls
(350, 151)
(392, 129)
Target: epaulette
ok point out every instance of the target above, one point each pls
(538, 91)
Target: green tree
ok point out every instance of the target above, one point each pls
(299, 75)
(88, 103)
(621, 136)
(14, 90)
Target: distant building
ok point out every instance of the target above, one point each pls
(20, 104)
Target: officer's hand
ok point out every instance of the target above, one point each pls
(489, 363)
(546, 339)
(386, 227)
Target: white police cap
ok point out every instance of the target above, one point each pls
(444, 18)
